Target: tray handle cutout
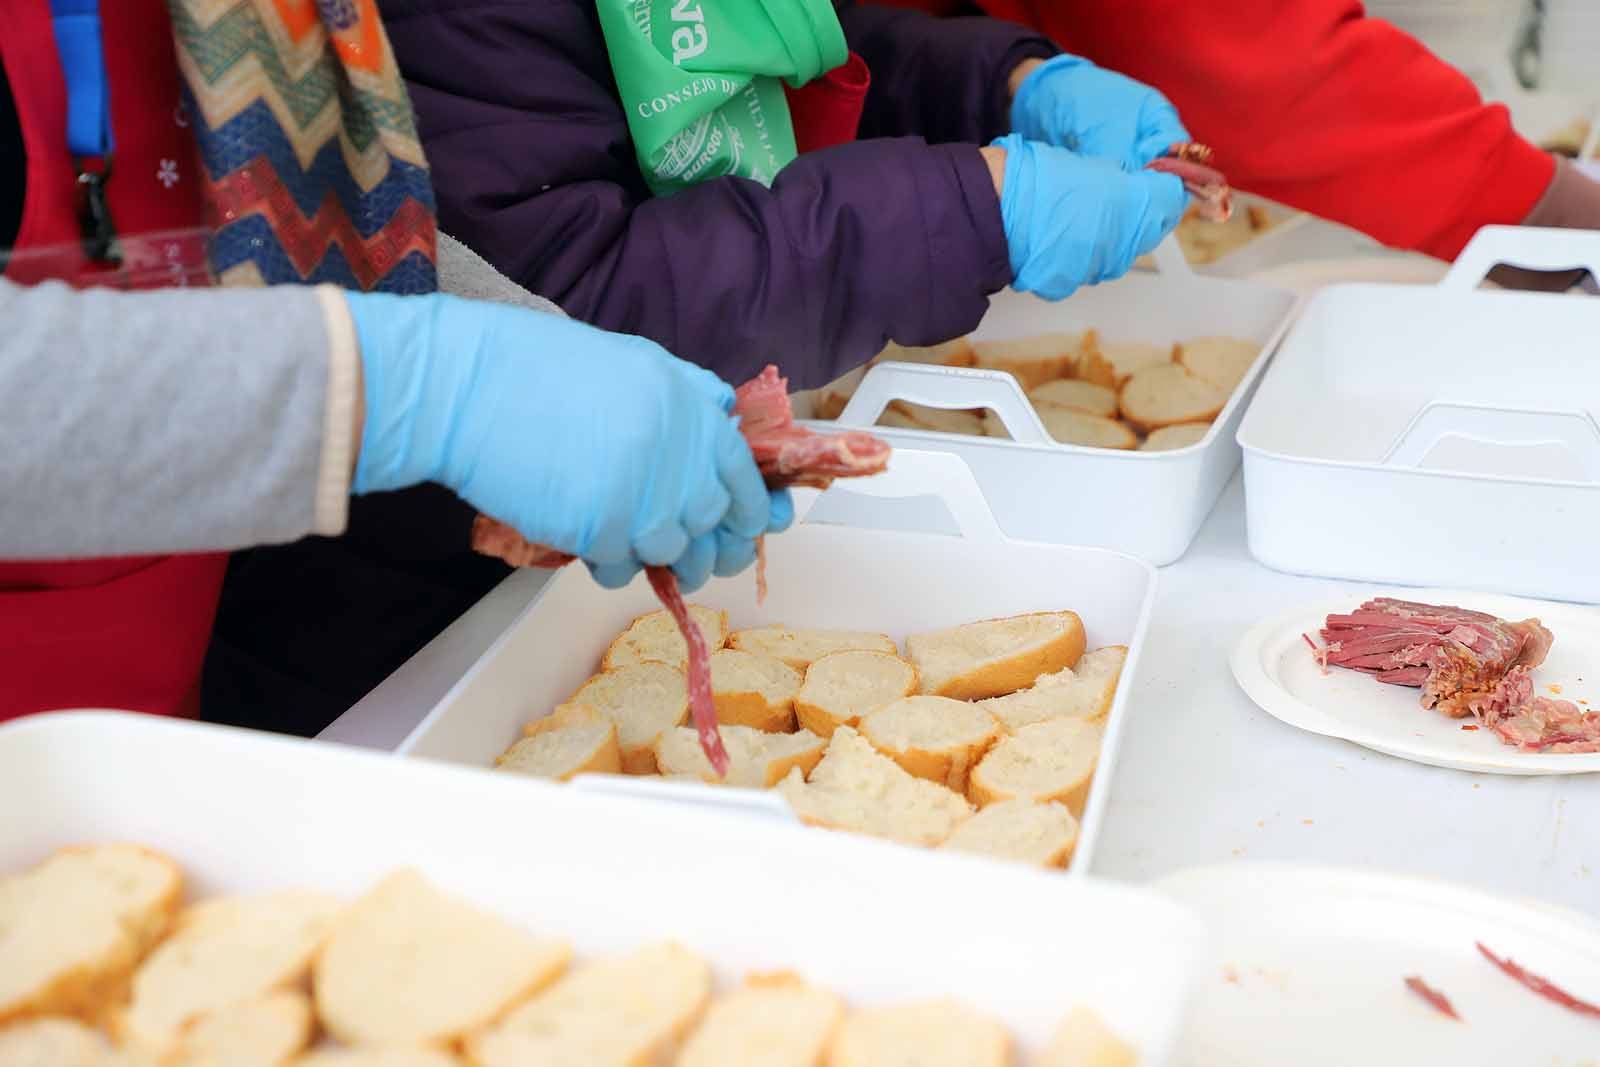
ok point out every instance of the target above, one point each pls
(1529, 247)
(944, 387)
(1503, 442)
(914, 476)
(759, 803)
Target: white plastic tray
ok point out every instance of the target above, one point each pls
(1276, 670)
(246, 811)
(1313, 962)
(1437, 436)
(820, 574)
(1148, 504)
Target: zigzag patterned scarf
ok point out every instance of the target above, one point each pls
(313, 168)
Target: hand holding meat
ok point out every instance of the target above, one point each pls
(599, 445)
(1072, 221)
(1069, 102)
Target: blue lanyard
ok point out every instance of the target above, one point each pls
(77, 32)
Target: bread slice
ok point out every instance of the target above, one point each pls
(1222, 361)
(1172, 438)
(1111, 363)
(1168, 395)
(376, 1057)
(266, 1032)
(73, 928)
(956, 353)
(1080, 428)
(1050, 760)
(1082, 692)
(1083, 1040)
(655, 638)
(801, 648)
(53, 1042)
(841, 687)
(225, 951)
(753, 690)
(409, 965)
(1031, 360)
(996, 656)
(642, 699)
(1089, 397)
(857, 788)
(932, 737)
(756, 759)
(622, 1012)
(1021, 831)
(778, 1021)
(941, 420)
(572, 740)
(933, 1033)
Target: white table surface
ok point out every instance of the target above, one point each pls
(1204, 775)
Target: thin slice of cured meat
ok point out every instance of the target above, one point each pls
(1466, 663)
(787, 455)
(1209, 186)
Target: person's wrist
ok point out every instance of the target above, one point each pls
(995, 159)
(1020, 72)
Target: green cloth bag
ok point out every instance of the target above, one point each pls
(700, 80)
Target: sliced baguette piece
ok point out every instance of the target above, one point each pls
(956, 353)
(801, 648)
(1083, 1040)
(73, 928)
(932, 737)
(933, 1033)
(1050, 760)
(757, 759)
(777, 1021)
(996, 656)
(572, 740)
(266, 1032)
(409, 965)
(1172, 438)
(225, 951)
(841, 687)
(377, 1057)
(642, 699)
(655, 638)
(1031, 360)
(753, 690)
(1021, 831)
(53, 1041)
(1071, 427)
(1081, 692)
(940, 420)
(1089, 397)
(620, 1012)
(1168, 395)
(1222, 361)
(857, 788)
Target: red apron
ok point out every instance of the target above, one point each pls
(125, 633)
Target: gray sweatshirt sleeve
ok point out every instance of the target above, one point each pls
(171, 421)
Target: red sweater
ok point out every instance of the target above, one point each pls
(1310, 103)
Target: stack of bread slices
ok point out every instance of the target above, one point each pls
(982, 738)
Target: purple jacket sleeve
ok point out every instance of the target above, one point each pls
(942, 78)
(534, 170)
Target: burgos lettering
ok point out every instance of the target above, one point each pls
(689, 39)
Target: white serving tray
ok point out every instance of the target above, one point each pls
(821, 574)
(1276, 670)
(1437, 436)
(245, 811)
(1313, 960)
(1148, 504)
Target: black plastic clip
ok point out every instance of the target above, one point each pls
(98, 232)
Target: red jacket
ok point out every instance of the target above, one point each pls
(1310, 103)
(124, 633)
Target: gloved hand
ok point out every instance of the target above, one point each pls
(601, 445)
(1073, 221)
(1069, 102)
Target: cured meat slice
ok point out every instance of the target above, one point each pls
(1192, 163)
(787, 455)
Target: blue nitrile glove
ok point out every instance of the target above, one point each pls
(1069, 102)
(1074, 221)
(601, 445)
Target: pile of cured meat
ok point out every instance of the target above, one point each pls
(787, 455)
(1466, 663)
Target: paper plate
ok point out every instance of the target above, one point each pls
(1311, 966)
(1276, 670)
